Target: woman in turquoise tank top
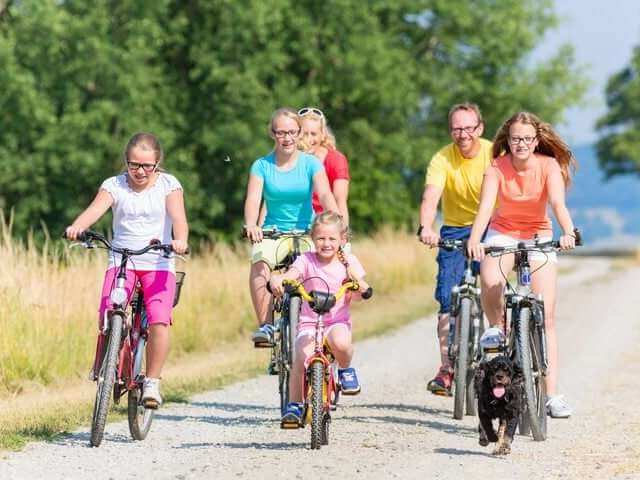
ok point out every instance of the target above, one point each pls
(285, 178)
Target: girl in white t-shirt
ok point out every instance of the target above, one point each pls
(147, 204)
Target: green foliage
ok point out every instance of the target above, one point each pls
(80, 78)
(618, 151)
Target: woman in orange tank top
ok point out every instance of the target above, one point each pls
(531, 170)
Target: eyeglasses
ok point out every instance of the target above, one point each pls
(467, 130)
(517, 140)
(284, 133)
(309, 110)
(147, 167)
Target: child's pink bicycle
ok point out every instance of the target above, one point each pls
(118, 366)
(321, 387)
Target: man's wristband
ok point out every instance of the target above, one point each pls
(420, 228)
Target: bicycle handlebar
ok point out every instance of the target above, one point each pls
(352, 285)
(450, 244)
(533, 246)
(89, 235)
(274, 233)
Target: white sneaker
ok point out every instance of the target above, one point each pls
(557, 407)
(151, 393)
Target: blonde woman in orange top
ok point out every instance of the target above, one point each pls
(531, 169)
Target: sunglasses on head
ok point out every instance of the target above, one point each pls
(310, 110)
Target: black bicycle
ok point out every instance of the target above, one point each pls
(526, 344)
(464, 339)
(118, 366)
(285, 312)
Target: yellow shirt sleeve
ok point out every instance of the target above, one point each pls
(437, 171)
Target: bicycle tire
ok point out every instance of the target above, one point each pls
(462, 357)
(106, 380)
(283, 371)
(471, 402)
(287, 346)
(532, 390)
(139, 418)
(316, 380)
(541, 384)
(294, 315)
(335, 398)
(324, 432)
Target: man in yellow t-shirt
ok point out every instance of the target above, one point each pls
(455, 176)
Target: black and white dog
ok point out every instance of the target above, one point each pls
(498, 385)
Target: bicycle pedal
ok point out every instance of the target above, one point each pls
(263, 345)
(289, 426)
(150, 404)
(272, 370)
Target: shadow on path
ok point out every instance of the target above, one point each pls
(217, 420)
(233, 407)
(457, 451)
(246, 445)
(401, 407)
(81, 439)
(441, 426)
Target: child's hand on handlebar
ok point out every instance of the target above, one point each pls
(275, 282)
(72, 233)
(364, 286)
(179, 246)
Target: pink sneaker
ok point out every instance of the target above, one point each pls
(441, 383)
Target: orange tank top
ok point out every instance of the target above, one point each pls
(522, 197)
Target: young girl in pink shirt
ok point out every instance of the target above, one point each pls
(325, 269)
(531, 169)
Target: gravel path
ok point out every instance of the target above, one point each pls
(394, 429)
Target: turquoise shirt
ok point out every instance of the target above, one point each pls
(287, 193)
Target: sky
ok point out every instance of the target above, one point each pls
(603, 34)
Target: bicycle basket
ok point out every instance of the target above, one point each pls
(179, 281)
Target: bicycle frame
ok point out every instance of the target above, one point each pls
(321, 353)
(468, 288)
(320, 386)
(526, 343)
(117, 365)
(523, 297)
(465, 324)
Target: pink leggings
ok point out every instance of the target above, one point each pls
(158, 289)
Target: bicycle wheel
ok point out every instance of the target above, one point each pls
(474, 357)
(140, 418)
(335, 397)
(534, 382)
(106, 380)
(316, 374)
(461, 366)
(287, 349)
(283, 371)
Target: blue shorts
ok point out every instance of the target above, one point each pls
(451, 266)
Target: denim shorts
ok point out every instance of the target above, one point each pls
(451, 266)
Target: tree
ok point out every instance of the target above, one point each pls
(618, 151)
(78, 79)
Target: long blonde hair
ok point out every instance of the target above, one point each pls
(549, 143)
(327, 138)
